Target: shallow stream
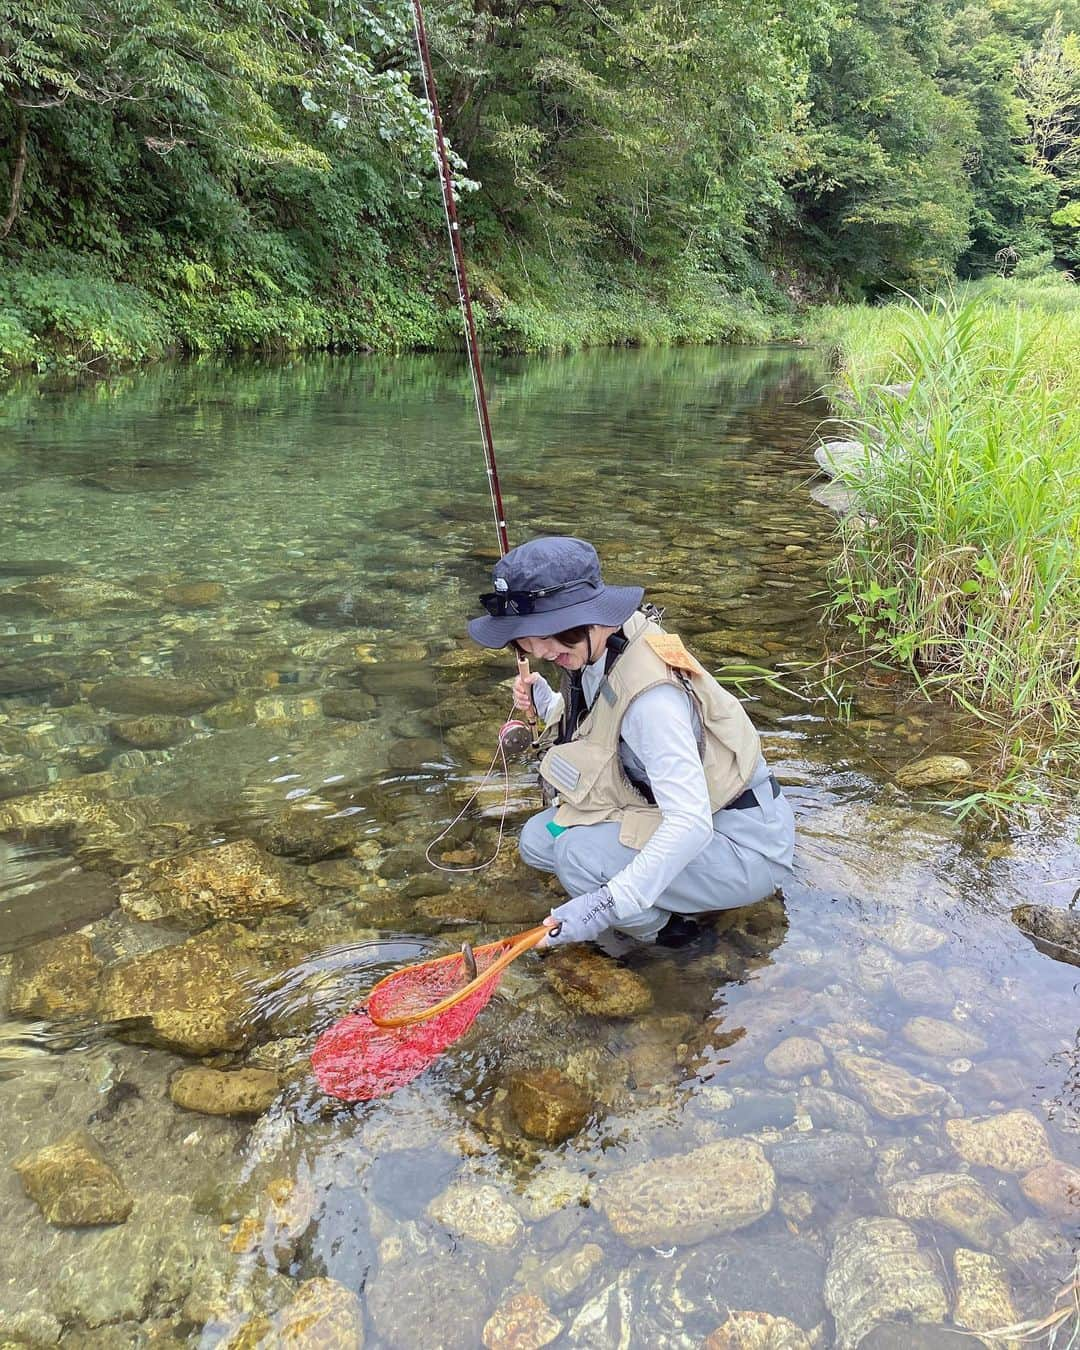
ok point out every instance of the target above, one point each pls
(236, 706)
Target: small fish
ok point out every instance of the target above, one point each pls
(470, 961)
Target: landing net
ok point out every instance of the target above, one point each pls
(410, 992)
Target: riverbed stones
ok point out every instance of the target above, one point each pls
(745, 1330)
(238, 880)
(73, 1185)
(833, 1111)
(923, 984)
(775, 1273)
(55, 978)
(954, 1200)
(336, 608)
(889, 1090)
(323, 1315)
(690, 1196)
(308, 836)
(193, 997)
(139, 695)
(547, 1105)
(1054, 1188)
(795, 1056)
(570, 1269)
(877, 1273)
(1011, 1141)
(477, 1212)
(77, 596)
(350, 705)
(194, 594)
(940, 1039)
(822, 1157)
(983, 1297)
(238, 1092)
(1054, 931)
(934, 771)
(151, 732)
(521, 1322)
(907, 937)
(591, 983)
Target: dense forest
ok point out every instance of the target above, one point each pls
(238, 173)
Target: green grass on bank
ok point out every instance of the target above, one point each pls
(966, 563)
(61, 310)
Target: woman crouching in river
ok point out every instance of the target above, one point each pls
(665, 806)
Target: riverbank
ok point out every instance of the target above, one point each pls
(961, 557)
(62, 312)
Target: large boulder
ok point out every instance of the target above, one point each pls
(690, 1196)
(591, 983)
(547, 1105)
(238, 880)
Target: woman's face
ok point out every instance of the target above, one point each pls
(573, 657)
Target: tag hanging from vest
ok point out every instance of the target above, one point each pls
(669, 648)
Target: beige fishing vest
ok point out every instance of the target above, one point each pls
(587, 772)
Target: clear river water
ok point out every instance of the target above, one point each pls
(236, 706)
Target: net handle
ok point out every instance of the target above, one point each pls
(515, 946)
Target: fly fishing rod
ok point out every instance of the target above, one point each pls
(512, 735)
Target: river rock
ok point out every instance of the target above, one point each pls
(413, 1294)
(547, 1105)
(1012, 1141)
(28, 678)
(591, 983)
(608, 1320)
(233, 881)
(150, 733)
(840, 459)
(908, 937)
(934, 770)
(477, 1212)
(78, 597)
(943, 1040)
(923, 984)
(1041, 1252)
(795, 1056)
(889, 1090)
(72, 1183)
(1054, 1188)
(240, 1092)
(954, 1200)
(352, 608)
(522, 1322)
(308, 836)
(690, 1196)
(56, 978)
(833, 1111)
(194, 594)
(324, 1315)
(756, 1331)
(983, 1297)
(915, 1336)
(351, 705)
(151, 694)
(877, 1273)
(1056, 932)
(821, 1157)
(775, 1273)
(193, 997)
(569, 1270)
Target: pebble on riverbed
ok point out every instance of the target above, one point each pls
(73, 1185)
(240, 1092)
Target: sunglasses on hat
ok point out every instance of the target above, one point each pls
(501, 603)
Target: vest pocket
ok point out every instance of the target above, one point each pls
(573, 771)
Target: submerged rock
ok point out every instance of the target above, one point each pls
(351, 705)
(150, 733)
(954, 1200)
(821, 1157)
(194, 997)
(548, 1105)
(757, 1331)
(983, 1297)
(78, 597)
(194, 594)
(324, 1314)
(775, 1273)
(1012, 1141)
(877, 1273)
(690, 1196)
(73, 1185)
(308, 836)
(477, 1212)
(234, 881)
(152, 694)
(942, 1040)
(591, 983)
(522, 1322)
(933, 771)
(795, 1056)
(1054, 1188)
(240, 1092)
(1056, 932)
(56, 978)
(888, 1089)
(344, 609)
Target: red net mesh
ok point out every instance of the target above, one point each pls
(356, 1060)
(417, 988)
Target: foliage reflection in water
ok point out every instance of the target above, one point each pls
(235, 706)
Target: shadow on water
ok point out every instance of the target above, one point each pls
(236, 707)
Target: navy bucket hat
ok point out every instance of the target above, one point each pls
(546, 586)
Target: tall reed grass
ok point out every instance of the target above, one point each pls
(964, 559)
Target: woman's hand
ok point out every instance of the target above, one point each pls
(581, 919)
(523, 690)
